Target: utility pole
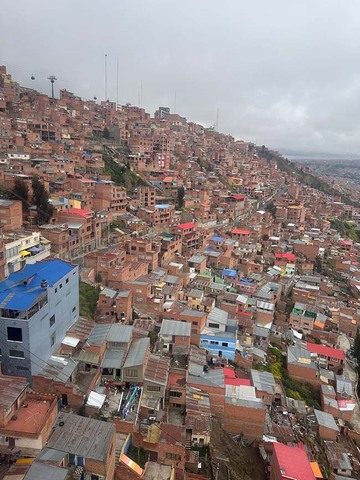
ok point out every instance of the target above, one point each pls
(217, 471)
(217, 120)
(105, 75)
(52, 79)
(117, 81)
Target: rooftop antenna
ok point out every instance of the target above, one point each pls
(105, 74)
(52, 79)
(217, 120)
(117, 81)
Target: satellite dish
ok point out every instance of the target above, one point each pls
(32, 77)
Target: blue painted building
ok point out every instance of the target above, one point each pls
(219, 335)
(37, 306)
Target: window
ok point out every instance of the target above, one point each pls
(73, 309)
(213, 342)
(55, 289)
(225, 344)
(52, 340)
(173, 456)
(67, 280)
(60, 285)
(175, 394)
(52, 320)
(14, 334)
(213, 325)
(153, 388)
(16, 354)
(131, 372)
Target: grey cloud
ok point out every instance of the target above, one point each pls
(283, 73)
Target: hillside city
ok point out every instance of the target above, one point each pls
(176, 304)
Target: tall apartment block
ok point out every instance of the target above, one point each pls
(37, 306)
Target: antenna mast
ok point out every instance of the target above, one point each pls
(117, 81)
(105, 73)
(52, 79)
(217, 120)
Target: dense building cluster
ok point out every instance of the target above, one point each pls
(227, 298)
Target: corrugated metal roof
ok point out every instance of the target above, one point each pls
(59, 368)
(137, 352)
(174, 327)
(157, 370)
(42, 471)
(325, 419)
(11, 389)
(113, 359)
(344, 385)
(218, 316)
(263, 381)
(120, 333)
(82, 436)
(98, 334)
(96, 400)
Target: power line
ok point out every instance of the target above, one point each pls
(47, 364)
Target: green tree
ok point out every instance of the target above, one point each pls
(21, 192)
(181, 196)
(41, 201)
(357, 347)
(98, 278)
(106, 133)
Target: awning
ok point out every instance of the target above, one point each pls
(96, 399)
(25, 253)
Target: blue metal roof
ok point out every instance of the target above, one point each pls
(217, 239)
(229, 273)
(21, 289)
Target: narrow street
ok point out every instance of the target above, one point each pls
(345, 345)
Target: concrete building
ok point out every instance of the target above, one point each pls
(85, 442)
(290, 462)
(38, 305)
(10, 215)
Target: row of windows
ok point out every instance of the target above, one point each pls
(61, 285)
(214, 342)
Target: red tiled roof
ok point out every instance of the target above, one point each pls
(287, 256)
(185, 226)
(78, 211)
(229, 372)
(293, 462)
(240, 231)
(325, 351)
(238, 197)
(237, 382)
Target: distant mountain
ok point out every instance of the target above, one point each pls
(295, 155)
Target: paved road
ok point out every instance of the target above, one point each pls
(345, 345)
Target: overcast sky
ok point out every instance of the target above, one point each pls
(285, 73)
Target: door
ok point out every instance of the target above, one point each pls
(153, 456)
(64, 399)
